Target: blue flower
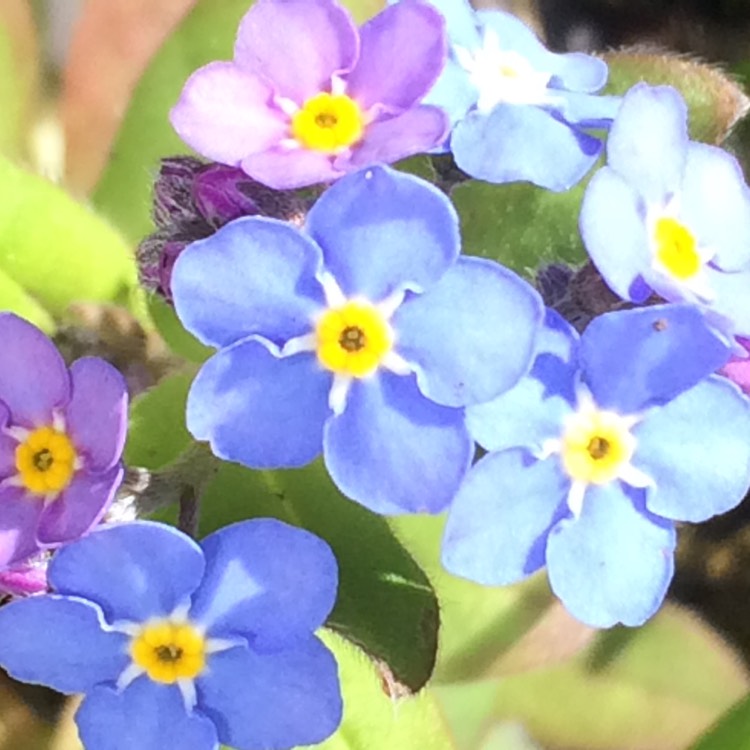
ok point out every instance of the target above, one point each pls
(595, 455)
(669, 215)
(519, 112)
(363, 337)
(177, 645)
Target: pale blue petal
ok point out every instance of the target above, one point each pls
(395, 451)
(454, 92)
(697, 451)
(613, 563)
(259, 409)
(252, 591)
(461, 22)
(59, 642)
(472, 336)
(381, 230)
(254, 276)
(274, 700)
(523, 143)
(498, 524)
(586, 110)
(732, 297)
(633, 359)
(133, 571)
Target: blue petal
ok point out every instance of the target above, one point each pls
(634, 359)
(394, 451)
(254, 276)
(454, 92)
(272, 700)
(648, 142)
(732, 298)
(459, 335)
(613, 563)
(146, 716)
(460, 22)
(60, 643)
(697, 450)
(716, 203)
(133, 571)
(586, 110)
(252, 591)
(260, 409)
(613, 229)
(498, 524)
(381, 230)
(523, 143)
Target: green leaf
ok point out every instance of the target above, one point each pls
(520, 225)
(731, 731)
(179, 340)
(385, 603)
(715, 100)
(56, 249)
(15, 299)
(207, 33)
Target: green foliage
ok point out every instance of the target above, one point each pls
(11, 97)
(179, 340)
(731, 731)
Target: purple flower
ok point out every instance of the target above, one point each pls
(309, 98)
(738, 367)
(61, 437)
(25, 578)
(177, 645)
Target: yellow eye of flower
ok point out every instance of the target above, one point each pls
(169, 651)
(596, 446)
(46, 461)
(353, 339)
(328, 123)
(676, 249)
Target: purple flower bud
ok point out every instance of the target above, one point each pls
(173, 191)
(222, 194)
(25, 578)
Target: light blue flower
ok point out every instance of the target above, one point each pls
(519, 112)
(594, 457)
(361, 337)
(668, 215)
(177, 645)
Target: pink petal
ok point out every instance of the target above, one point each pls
(284, 169)
(18, 524)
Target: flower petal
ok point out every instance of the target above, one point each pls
(613, 563)
(633, 359)
(523, 143)
(381, 230)
(259, 409)
(285, 168)
(79, 508)
(134, 571)
(460, 20)
(97, 415)
(697, 450)
(255, 275)
(225, 114)
(395, 451)
(59, 642)
(587, 110)
(18, 524)
(715, 202)
(455, 338)
(146, 715)
(298, 45)
(417, 130)
(272, 700)
(499, 521)
(613, 229)
(33, 376)
(252, 591)
(403, 51)
(732, 299)
(454, 92)
(647, 145)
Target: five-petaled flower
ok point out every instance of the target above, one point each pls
(180, 645)
(596, 454)
(309, 97)
(362, 336)
(519, 112)
(669, 215)
(61, 437)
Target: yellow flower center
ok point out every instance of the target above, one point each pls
(353, 339)
(46, 461)
(676, 249)
(169, 651)
(596, 445)
(328, 123)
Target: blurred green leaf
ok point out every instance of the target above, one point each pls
(420, 166)
(10, 97)
(124, 191)
(56, 249)
(715, 100)
(179, 340)
(732, 731)
(520, 225)
(15, 299)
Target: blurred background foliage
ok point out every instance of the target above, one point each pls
(85, 86)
